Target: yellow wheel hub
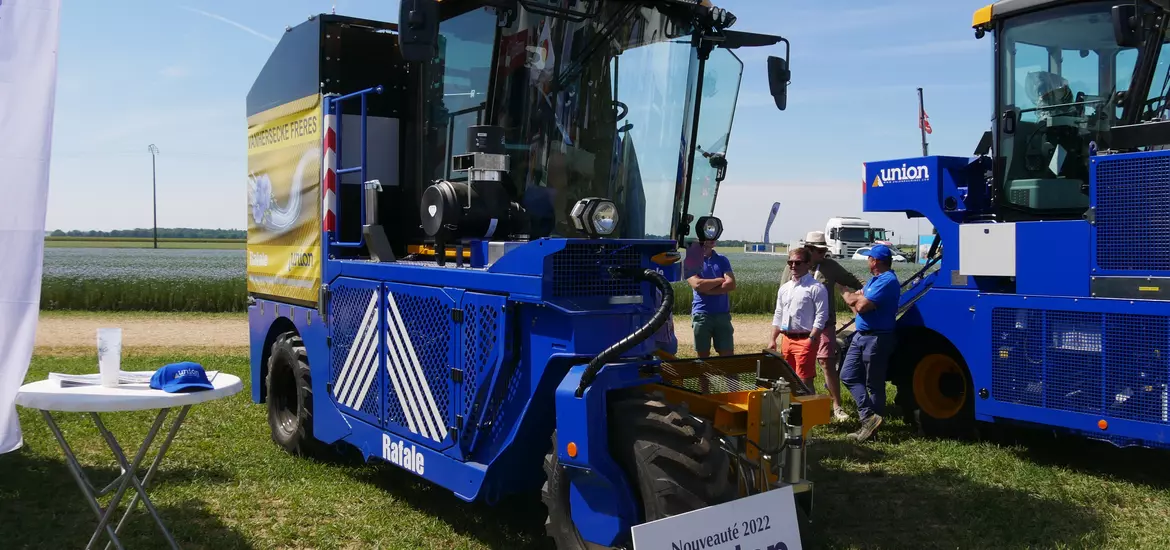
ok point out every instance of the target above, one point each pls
(939, 386)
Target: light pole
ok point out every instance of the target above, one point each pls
(154, 186)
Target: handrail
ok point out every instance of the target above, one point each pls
(333, 109)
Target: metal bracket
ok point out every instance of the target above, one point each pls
(1090, 215)
(457, 375)
(457, 315)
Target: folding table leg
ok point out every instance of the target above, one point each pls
(162, 450)
(129, 477)
(79, 476)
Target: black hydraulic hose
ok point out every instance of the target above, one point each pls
(646, 331)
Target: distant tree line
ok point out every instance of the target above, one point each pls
(163, 233)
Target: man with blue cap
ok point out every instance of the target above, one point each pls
(864, 370)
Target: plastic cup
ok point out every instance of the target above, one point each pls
(109, 342)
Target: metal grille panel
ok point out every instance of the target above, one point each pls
(347, 309)
(480, 326)
(582, 270)
(428, 322)
(506, 410)
(1115, 365)
(1133, 214)
(1017, 356)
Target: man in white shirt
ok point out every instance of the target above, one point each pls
(802, 310)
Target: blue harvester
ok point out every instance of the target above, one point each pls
(462, 233)
(1051, 302)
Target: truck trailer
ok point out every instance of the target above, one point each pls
(462, 230)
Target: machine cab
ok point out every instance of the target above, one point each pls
(1069, 76)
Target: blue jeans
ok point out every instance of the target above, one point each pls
(864, 371)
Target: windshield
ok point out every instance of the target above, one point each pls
(855, 234)
(593, 114)
(1061, 76)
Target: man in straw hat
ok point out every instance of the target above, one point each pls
(829, 273)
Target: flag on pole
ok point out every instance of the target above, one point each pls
(924, 122)
(28, 79)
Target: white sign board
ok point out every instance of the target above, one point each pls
(766, 521)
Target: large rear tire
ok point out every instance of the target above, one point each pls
(671, 457)
(290, 396)
(935, 391)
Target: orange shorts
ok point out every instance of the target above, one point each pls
(801, 354)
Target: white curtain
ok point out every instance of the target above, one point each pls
(28, 83)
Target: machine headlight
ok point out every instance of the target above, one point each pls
(595, 217)
(709, 228)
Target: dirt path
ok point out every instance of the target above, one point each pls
(77, 331)
(67, 330)
(57, 332)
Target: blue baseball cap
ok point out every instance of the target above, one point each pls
(879, 252)
(181, 377)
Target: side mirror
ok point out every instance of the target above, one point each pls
(778, 77)
(418, 29)
(1126, 26)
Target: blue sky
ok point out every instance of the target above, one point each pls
(136, 72)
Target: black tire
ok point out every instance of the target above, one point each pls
(290, 396)
(672, 458)
(935, 392)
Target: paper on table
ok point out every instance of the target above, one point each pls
(124, 377)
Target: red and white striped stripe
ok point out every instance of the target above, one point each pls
(329, 174)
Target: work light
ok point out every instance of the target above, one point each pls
(709, 228)
(595, 217)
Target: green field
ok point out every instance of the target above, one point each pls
(225, 485)
(138, 242)
(190, 278)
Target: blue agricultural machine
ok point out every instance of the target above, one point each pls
(462, 230)
(1050, 304)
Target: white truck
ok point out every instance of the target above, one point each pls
(846, 234)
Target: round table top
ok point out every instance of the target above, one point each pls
(49, 395)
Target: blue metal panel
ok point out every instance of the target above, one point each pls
(328, 424)
(1050, 260)
(601, 499)
(356, 375)
(431, 274)
(421, 345)
(1131, 199)
(929, 186)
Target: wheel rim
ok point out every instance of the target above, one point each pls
(285, 399)
(939, 386)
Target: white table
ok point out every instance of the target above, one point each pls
(49, 396)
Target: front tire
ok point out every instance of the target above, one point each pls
(671, 457)
(935, 391)
(290, 396)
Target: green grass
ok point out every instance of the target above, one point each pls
(225, 485)
(146, 294)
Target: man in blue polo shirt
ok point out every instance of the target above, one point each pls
(711, 305)
(864, 370)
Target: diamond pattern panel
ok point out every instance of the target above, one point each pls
(348, 308)
(428, 322)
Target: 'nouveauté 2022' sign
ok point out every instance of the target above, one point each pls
(766, 521)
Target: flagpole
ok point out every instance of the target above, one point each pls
(922, 123)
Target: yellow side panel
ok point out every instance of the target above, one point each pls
(982, 16)
(284, 201)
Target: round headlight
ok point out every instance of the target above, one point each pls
(709, 228)
(595, 217)
(604, 218)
